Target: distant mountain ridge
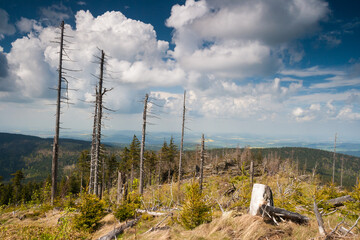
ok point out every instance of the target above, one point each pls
(33, 155)
(19, 151)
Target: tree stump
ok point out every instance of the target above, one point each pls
(261, 194)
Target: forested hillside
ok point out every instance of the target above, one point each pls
(33, 155)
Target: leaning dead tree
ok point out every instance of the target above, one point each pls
(202, 158)
(182, 142)
(142, 149)
(333, 173)
(97, 125)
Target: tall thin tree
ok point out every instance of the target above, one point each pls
(142, 149)
(98, 122)
(182, 141)
(334, 160)
(342, 171)
(93, 144)
(55, 154)
(202, 159)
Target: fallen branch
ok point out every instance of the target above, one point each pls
(357, 220)
(222, 210)
(150, 212)
(158, 224)
(336, 227)
(319, 220)
(119, 230)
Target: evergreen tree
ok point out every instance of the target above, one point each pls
(84, 168)
(110, 171)
(134, 152)
(17, 186)
(150, 164)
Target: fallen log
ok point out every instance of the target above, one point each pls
(119, 230)
(319, 220)
(283, 214)
(338, 202)
(150, 212)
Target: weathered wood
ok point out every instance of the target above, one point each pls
(319, 220)
(181, 146)
(355, 224)
(142, 149)
(99, 100)
(55, 153)
(338, 202)
(334, 160)
(284, 214)
(261, 194)
(119, 187)
(202, 162)
(119, 230)
(151, 212)
(157, 225)
(93, 143)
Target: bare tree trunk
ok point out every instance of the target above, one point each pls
(141, 187)
(181, 145)
(81, 181)
(119, 186)
(98, 122)
(342, 171)
(102, 186)
(55, 154)
(93, 144)
(202, 153)
(333, 173)
(252, 172)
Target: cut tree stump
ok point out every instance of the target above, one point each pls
(261, 194)
(262, 204)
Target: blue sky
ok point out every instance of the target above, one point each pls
(279, 68)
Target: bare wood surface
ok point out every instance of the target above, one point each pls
(338, 202)
(319, 220)
(142, 149)
(261, 194)
(119, 230)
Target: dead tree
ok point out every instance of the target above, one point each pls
(93, 144)
(333, 173)
(96, 137)
(252, 171)
(202, 156)
(119, 187)
(142, 149)
(342, 171)
(55, 153)
(181, 143)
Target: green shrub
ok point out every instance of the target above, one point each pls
(128, 208)
(91, 211)
(195, 210)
